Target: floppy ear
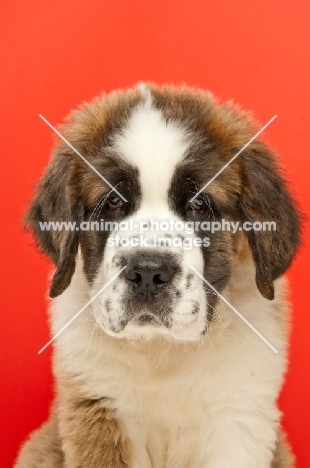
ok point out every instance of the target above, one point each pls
(265, 197)
(55, 202)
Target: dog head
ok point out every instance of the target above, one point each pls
(136, 208)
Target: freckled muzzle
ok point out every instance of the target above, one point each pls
(151, 280)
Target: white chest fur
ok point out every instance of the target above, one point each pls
(210, 404)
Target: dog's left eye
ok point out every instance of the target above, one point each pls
(114, 203)
(198, 206)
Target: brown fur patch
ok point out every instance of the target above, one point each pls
(90, 433)
(43, 448)
(69, 187)
(250, 189)
(90, 436)
(283, 457)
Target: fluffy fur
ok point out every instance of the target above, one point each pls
(175, 380)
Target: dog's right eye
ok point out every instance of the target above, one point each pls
(114, 203)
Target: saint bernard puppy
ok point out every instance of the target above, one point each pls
(159, 370)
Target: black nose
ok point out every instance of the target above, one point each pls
(148, 274)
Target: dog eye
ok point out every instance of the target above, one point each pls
(114, 203)
(198, 206)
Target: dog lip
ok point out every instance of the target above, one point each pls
(143, 319)
(147, 319)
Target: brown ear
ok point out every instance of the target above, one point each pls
(54, 202)
(265, 198)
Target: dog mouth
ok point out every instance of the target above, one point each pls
(147, 318)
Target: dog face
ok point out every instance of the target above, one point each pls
(158, 147)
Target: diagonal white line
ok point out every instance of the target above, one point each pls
(82, 157)
(233, 158)
(235, 310)
(81, 310)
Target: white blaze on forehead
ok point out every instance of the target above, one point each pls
(154, 146)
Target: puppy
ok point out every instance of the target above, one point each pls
(155, 365)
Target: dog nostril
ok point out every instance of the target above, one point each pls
(134, 277)
(158, 280)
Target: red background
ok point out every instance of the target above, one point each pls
(54, 54)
